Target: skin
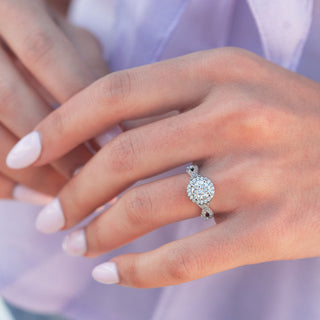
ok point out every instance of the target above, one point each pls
(61, 6)
(252, 127)
(44, 61)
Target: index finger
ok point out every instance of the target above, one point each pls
(136, 93)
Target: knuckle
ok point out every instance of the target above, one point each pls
(235, 55)
(248, 123)
(98, 239)
(228, 122)
(259, 181)
(138, 206)
(124, 153)
(182, 264)
(37, 46)
(116, 87)
(255, 123)
(239, 61)
(231, 58)
(132, 276)
(237, 64)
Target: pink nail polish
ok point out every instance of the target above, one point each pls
(106, 273)
(25, 152)
(75, 244)
(25, 194)
(51, 218)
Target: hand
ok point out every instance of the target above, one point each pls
(44, 61)
(254, 130)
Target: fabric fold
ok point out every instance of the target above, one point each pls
(283, 26)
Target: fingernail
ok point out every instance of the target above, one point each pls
(25, 194)
(105, 137)
(106, 273)
(75, 244)
(25, 152)
(51, 218)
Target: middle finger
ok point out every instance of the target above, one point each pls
(133, 155)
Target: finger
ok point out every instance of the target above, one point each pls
(136, 93)
(43, 48)
(146, 208)
(6, 187)
(44, 179)
(133, 155)
(225, 246)
(92, 52)
(25, 194)
(10, 190)
(21, 108)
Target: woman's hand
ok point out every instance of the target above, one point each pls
(44, 61)
(254, 130)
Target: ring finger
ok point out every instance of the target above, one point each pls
(146, 208)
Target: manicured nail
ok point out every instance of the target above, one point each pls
(25, 194)
(106, 273)
(105, 137)
(51, 218)
(75, 244)
(25, 152)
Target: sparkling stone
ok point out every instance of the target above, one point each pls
(201, 190)
(206, 213)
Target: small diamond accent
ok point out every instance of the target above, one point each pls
(206, 213)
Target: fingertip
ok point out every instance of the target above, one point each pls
(75, 244)
(25, 152)
(106, 273)
(25, 194)
(51, 218)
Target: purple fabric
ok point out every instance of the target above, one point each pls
(35, 274)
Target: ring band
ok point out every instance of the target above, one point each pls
(200, 191)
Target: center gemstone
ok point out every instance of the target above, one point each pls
(200, 190)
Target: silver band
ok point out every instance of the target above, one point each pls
(200, 191)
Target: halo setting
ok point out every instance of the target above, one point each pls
(200, 190)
